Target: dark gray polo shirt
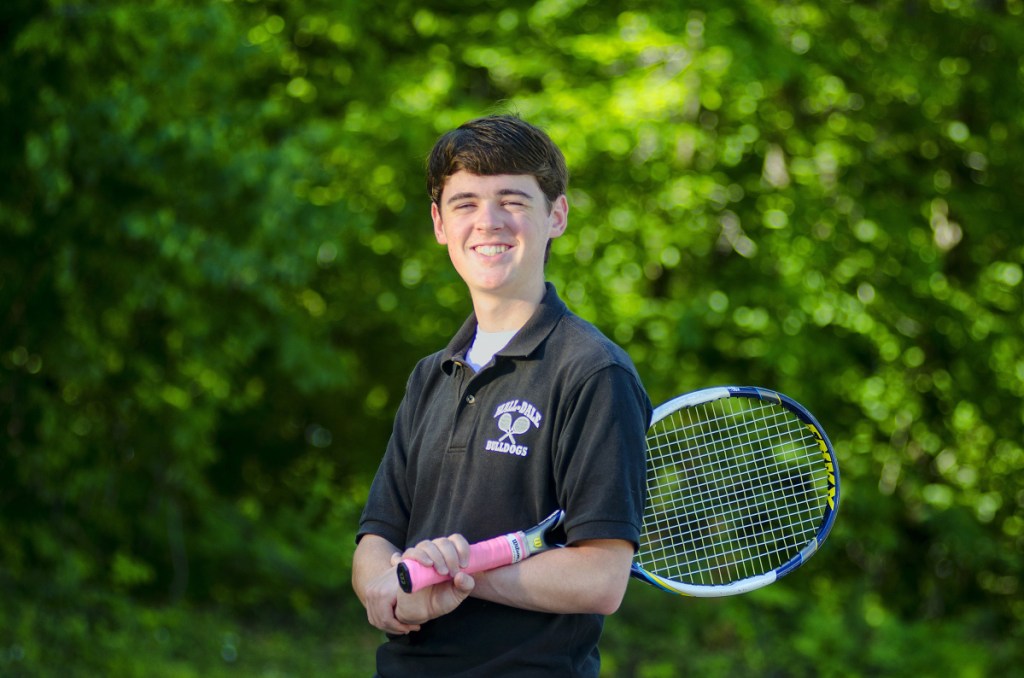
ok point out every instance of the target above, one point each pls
(557, 420)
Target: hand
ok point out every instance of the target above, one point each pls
(448, 555)
(381, 600)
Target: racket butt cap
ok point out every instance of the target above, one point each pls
(404, 578)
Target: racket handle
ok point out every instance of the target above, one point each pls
(485, 555)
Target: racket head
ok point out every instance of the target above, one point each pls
(743, 487)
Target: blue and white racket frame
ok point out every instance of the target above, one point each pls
(831, 507)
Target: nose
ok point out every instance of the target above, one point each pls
(489, 217)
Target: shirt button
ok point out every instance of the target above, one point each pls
(471, 399)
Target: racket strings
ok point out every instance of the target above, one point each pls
(741, 472)
(735, 489)
(810, 449)
(727, 490)
(805, 501)
(744, 475)
(737, 554)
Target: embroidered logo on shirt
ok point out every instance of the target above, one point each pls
(514, 418)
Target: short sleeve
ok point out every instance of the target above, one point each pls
(600, 465)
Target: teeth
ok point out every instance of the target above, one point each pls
(491, 250)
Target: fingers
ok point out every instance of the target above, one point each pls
(434, 601)
(386, 619)
(447, 555)
(394, 612)
(400, 627)
(464, 582)
(380, 600)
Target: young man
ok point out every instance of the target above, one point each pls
(456, 472)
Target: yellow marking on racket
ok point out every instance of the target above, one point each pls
(819, 438)
(664, 584)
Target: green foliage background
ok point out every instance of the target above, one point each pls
(217, 269)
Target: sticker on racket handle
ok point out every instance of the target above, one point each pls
(486, 555)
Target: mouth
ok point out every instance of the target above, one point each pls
(491, 250)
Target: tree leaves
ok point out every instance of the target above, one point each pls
(217, 269)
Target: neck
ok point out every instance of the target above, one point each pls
(503, 314)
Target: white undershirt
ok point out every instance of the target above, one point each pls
(485, 345)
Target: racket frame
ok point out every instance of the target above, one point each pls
(707, 395)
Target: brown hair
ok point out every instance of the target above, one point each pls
(497, 144)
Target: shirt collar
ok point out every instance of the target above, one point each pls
(527, 339)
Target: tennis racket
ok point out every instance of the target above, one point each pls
(742, 485)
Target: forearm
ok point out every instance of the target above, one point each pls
(372, 556)
(587, 578)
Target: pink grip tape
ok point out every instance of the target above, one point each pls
(485, 555)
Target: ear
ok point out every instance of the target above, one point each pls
(435, 215)
(559, 216)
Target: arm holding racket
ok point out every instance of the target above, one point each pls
(589, 577)
(486, 555)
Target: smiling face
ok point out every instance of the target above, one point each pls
(496, 228)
